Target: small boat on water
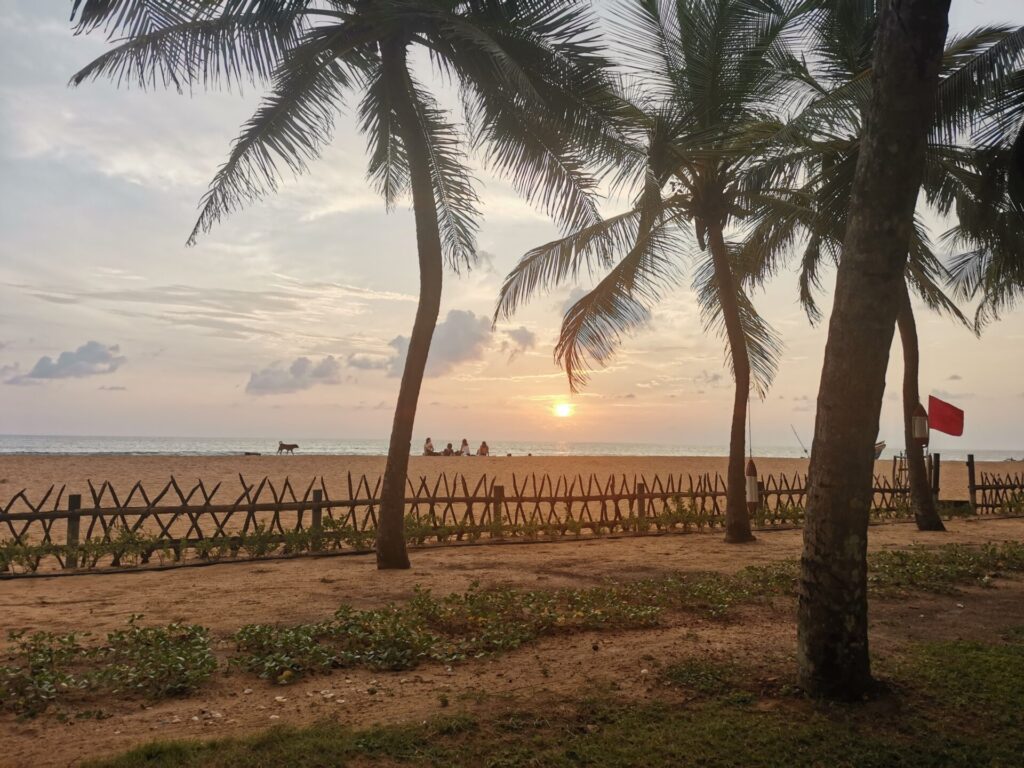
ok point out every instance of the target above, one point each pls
(879, 447)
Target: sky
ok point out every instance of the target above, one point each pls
(289, 319)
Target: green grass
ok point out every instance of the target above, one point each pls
(707, 678)
(972, 679)
(952, 704)
(942, 569)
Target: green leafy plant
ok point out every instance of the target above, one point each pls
(155, 662)
(43, 668)
(259, 542)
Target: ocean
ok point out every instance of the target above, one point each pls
(227, 446)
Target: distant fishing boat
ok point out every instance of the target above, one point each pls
(879, 447)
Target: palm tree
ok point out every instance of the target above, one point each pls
(707, 72)
(824, 142)
(529, 77)
(832, 620)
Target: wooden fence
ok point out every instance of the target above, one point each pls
(994, 492)
(180, 524)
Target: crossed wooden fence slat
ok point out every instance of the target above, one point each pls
(190, 523)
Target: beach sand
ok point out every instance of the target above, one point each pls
(36, 473)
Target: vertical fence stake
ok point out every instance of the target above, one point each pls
(641, 507)
(971, 484)
(74, 521)
(316, 526)
(498, 512)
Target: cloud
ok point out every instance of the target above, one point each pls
(517, 341)
(231, 313)
(113, 389)
(708, 378)
(575, 295)
(367, 362)
(90, 359)
(485, 263)
(462, 336)
(301, 374)
(803, 403)
(955, 377)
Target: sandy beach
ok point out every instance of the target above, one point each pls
(36, 473)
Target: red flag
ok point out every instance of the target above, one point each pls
(944, 417)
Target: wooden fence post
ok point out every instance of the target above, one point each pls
(498, 512)
(317, 525)
(641, 507)
(936, 470)
(74, 523)
(971, 483)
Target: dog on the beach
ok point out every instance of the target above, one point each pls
(286, 447)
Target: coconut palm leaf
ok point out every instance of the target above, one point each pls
(211, 52)
(292, 126)
(454, 195)
(553, 264)
(619, 304)
(388, 167)
(763, 345)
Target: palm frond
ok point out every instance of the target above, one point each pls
(532, 151)
(988, 262)
(619, 304)
(647, 40)
(550, 265)
(133, 18)
(454, 195)
(926, 274)
(764, 346)
(541, 108)
(208, 51)
(975, 69)
(388, 167)
(291, 125)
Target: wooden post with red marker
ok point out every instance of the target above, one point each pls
(753, 491)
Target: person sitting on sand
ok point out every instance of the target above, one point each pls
(448, 450)
(464, 449)
(483, 450)
(428, 448)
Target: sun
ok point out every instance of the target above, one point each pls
(563, 410)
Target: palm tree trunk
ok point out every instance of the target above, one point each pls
(832, 615)
(921, 500)
(391, 548)
(737, 520)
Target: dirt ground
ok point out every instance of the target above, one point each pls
(225, 596)
(36, 473)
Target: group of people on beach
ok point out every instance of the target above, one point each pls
(464, 449)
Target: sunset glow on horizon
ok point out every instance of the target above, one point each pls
(563, 410)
